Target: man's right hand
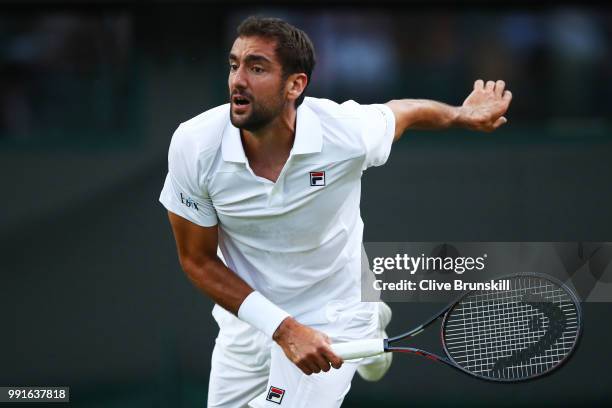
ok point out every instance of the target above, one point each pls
(307, 348)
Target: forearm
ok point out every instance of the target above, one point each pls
(422, 114)
(218, 282)
(231, 292)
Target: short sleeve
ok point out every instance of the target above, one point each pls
(378, 125)
(376, 128)
(185, 191)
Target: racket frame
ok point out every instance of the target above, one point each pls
(444, 314)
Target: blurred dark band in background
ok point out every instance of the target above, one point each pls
(74, 65)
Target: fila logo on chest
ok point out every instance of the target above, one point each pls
(317, 178)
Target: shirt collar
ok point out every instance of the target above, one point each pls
(231, 145)
(308, 137)
(308, 132)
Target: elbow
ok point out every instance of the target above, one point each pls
(195, 267)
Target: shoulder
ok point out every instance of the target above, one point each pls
(328, 110)
(352, 116)
(341, 125)
(196, 142)
(202, 134)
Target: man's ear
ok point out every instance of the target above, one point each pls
(295, 85)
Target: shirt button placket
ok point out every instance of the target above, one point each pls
(275, 198)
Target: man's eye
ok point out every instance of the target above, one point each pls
(257, 70)
(233, 67)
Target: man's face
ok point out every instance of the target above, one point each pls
(256, 83)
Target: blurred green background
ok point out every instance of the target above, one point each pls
(90, 93)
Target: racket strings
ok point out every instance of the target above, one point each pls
(521, 332)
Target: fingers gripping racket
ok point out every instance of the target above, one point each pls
(507, 335)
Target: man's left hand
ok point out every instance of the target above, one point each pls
(485, 107)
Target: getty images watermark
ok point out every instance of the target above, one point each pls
(434, 271)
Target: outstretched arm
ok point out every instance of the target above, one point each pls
(482, 110)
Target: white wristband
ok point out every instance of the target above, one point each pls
(262, 314)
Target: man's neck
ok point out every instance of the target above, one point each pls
(272, 143)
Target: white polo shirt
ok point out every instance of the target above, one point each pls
(297, 240)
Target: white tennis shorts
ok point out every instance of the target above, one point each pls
(249, 370)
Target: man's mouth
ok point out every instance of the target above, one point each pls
(239, 100)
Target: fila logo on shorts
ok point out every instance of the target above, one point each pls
(275, 395)
(317, 178)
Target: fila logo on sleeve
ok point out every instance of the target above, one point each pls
(275, 395)
(317, 178)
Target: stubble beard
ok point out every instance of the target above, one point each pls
(260, 115)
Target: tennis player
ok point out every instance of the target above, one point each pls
(273, 179)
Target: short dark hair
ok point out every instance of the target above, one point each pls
(293, 47)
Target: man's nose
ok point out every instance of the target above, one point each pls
(238, 80)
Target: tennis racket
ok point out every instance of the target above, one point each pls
(498, 335)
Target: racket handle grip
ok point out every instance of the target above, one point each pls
(359, 348)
